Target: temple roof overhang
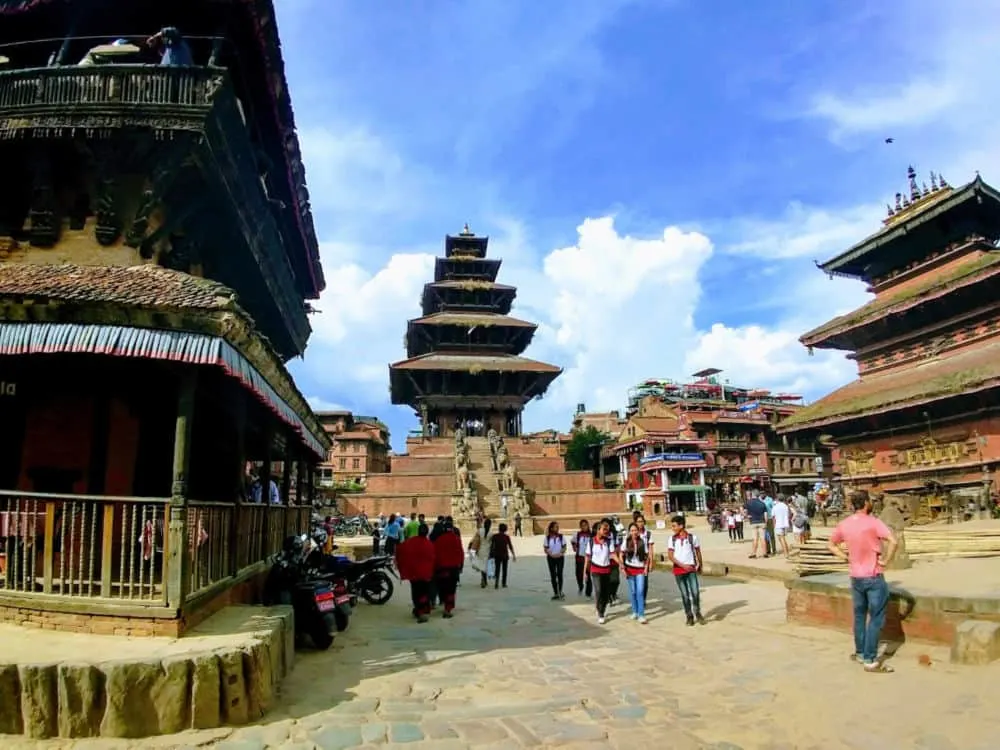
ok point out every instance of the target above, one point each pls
(459, 267)
(474, 363)
(156, 314)
(855, 261)
(953, 374)
(472, 319)
(253, 30)
(517, 376)
(973, 270)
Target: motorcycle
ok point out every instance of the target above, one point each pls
(370, 578)
(715, 522)
(324, 567)
(313, 598)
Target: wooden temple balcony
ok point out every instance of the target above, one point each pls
(99, 554)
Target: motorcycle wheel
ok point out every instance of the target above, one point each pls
(350, 530)
(342, 619)
(319, 634)
(376, 588)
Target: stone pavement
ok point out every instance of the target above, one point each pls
(514, 669)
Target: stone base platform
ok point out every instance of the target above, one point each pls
(224, 671)
(913, 613)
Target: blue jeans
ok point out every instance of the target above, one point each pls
(870, 597)
(690, 593)
(637, 594)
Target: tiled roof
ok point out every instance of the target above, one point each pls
(137, 286)
(656, 424)
(934, 285)
(467, 284)
(944, 376)
(472, 319)
(492, 363)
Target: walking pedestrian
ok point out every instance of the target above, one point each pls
(757, 513)
(391, 535)
(635, 559)
(647, 538)
(729, 517)
(863, 534)
(449, 560)
(504, 503)
(602, 558)
(416, 565)
(517, 524)
(781, 516)
(479, 546)
(740, 520)
(769, 525)
(581, 546)
(502, 552)
(555, 554)
(684, 551)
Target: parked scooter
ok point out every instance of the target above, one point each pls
(312, 597)
(368, 579)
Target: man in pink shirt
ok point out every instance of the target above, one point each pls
(863, 534)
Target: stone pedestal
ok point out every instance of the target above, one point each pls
(976, 642)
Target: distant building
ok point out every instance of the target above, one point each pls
(360, 447)
(610, 422)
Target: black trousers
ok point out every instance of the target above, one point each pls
(420, 592)
(732, 533)
(614, 581)
(446, 580)
(500, 574)
(556, 567)
(583, 579)
(739, 530)
(602, 591)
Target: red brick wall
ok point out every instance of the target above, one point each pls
(539, 463)
(584, 503)
(57, 436)
(423, 464)
(417, 484)
(432, 505)
(562, 480)
(123, 442)
(931, 619)
(96, 624)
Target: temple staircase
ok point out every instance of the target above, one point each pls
(486, 481)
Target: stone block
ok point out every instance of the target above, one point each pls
(233, 688)
(39, 702)
(257, 678)
(81, 696)
(976, 642)
(10, 700)
(205, 692)
(130, 711)
(171, 695)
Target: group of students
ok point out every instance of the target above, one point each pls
(432, 561)
(603, 556)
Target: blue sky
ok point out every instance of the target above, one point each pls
(658, 175)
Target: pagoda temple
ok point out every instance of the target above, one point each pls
(924, 414)
(464, 367)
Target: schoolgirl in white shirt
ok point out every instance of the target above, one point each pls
(555, 554)
(581, 546)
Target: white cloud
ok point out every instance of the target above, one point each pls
(321, 404)
(803, 232)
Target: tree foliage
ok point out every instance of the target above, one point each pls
(582, 445)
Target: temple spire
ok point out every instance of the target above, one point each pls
(911, 174)
(466, 232)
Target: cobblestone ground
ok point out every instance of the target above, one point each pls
(514, 669)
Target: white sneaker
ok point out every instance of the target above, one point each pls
(643, 620)
(600, 620)
(634, 616)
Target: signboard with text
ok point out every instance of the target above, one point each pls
(671, 457)
(8, 390)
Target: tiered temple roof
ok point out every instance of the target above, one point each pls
(464, 350)
(930, 334)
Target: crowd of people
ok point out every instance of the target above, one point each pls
(772, 521)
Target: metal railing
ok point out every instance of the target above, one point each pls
(83, 546)
(49, 90)
(116, 548)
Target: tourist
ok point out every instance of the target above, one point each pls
(502, 552)
(504, 502)
(449, 560)
(175, 50)
(863, 534)
(800, 520)
(416, 565)
(647, 538)
(391, 535)
(684, 551)
(581, 546)
(635, 566)
(479, 546)
(555, 553)
(411, 527)
(756, 511)
(602, 558)
(781, 517)
(729, 517)
(739, 518)
(614, 578)
(517, 524)
(769, 525)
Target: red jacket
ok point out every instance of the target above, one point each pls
(415, 559)
(448, 551)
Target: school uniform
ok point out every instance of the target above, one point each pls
(684, 546)
(634, 562)
(581, 543)
(555, 555)
(602, 563)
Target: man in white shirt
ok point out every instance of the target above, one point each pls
(782, 516)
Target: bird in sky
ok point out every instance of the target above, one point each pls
(890, 140)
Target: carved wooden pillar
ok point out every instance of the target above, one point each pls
(300, 482)
(286, 475)
(312, 483)
(179, 546)
(239, 480)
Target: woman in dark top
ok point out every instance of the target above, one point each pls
(502, 551)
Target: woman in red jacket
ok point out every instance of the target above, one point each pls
(449, 559)
(415, 560)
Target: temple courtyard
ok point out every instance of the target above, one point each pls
(515, 669)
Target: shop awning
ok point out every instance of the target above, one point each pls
(19, 339)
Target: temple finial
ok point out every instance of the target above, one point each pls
(899, 201)
(888, 211)
(466, 232)
(942, 181)
(934, 182)
(924, 190)
(911, 174)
